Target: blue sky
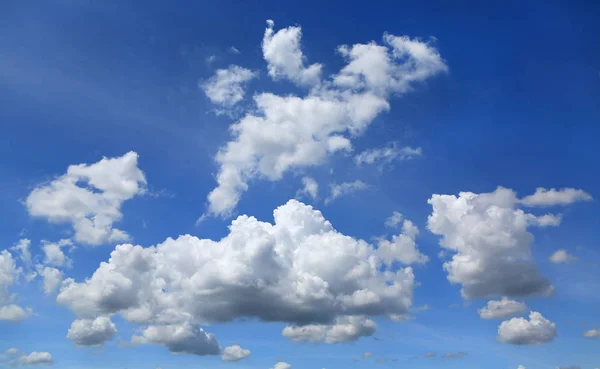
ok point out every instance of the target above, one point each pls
(481, 96)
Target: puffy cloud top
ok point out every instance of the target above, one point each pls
(502, 309)
(234, 353)
(520, 331)
(92, 332)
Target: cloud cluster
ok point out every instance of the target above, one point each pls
(282, 132)
(9, 272)
(226, 87)
(92, 332)
(89, 196)
(234, 353)
(492, 248)
(501, 309)
(298, 270)
(520, 331)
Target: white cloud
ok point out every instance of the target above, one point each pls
(234, 353)
(23, 248)
(520, 331)
(367, 355)
(281, 365)
(234, 50)
(298, 270)
(90, 197)
(285, 132)
(502, 309)
(11, 351)
(394, 219)
(284, 58)
(491, 244)
(36, 358)
(552, 197)
(311, 188)
(92, 332)
(183, 338)
(343, 189)
(592, 333)
(226, 87)
(13, 313)
(402, 247)
(8, 275)
(52, 278)
(53, 254)
(344, 329)
(561, 256)
(455, 355)
(520, 367)
(386, 155)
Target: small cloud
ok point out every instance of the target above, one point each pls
(455, 355)
(561, 256)
(346, 188)
(592, 333)
(367, 355)
(233, 50)
(210, 59)
(429, 354)
(394, 220)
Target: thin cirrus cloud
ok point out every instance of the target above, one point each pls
(281, 132)
(91, 210)
(299, 255)
(386, 155)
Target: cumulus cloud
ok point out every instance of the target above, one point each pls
(520, 367)
(502, 309)
(89, 196)
(402, 247)
(386, 155)
(183, 338)
(344, 329)
(234, 353)
(281, 365)
(394, 220)
(552, 197)
(226, 87)
(92, 332)
(13, 313)
(8, 275)
(283, 132)
(343, 189)
(52, 278)
(561, 256)
(36, 358)
(23, 248)
(592, 333)
(492, 248)
(311, 188)
(298, 270)
(53, 254)
(11, 351)
(284, 57)
(520, 331)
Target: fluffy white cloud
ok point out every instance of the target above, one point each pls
(36, 358)
(561, 256)
(343, 189)
(234, 353)
(592, 333)
(8, 275)
(284, 132)
(298, 270)
(281, 365)
(520, 367)
(53, 254)
(11, 351)
(344, 329)
(311, 188)
(552, 197)
(394, 220)
(183, 338)
(23, 248)
(226, 87)
(502, 309)
(90, 197)
(491, 244)
(13, 313)
(402, 247)
(284, 58)
(520, 331)
(386, 155)
(52, 278)
(367, 355)
(92, 332)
